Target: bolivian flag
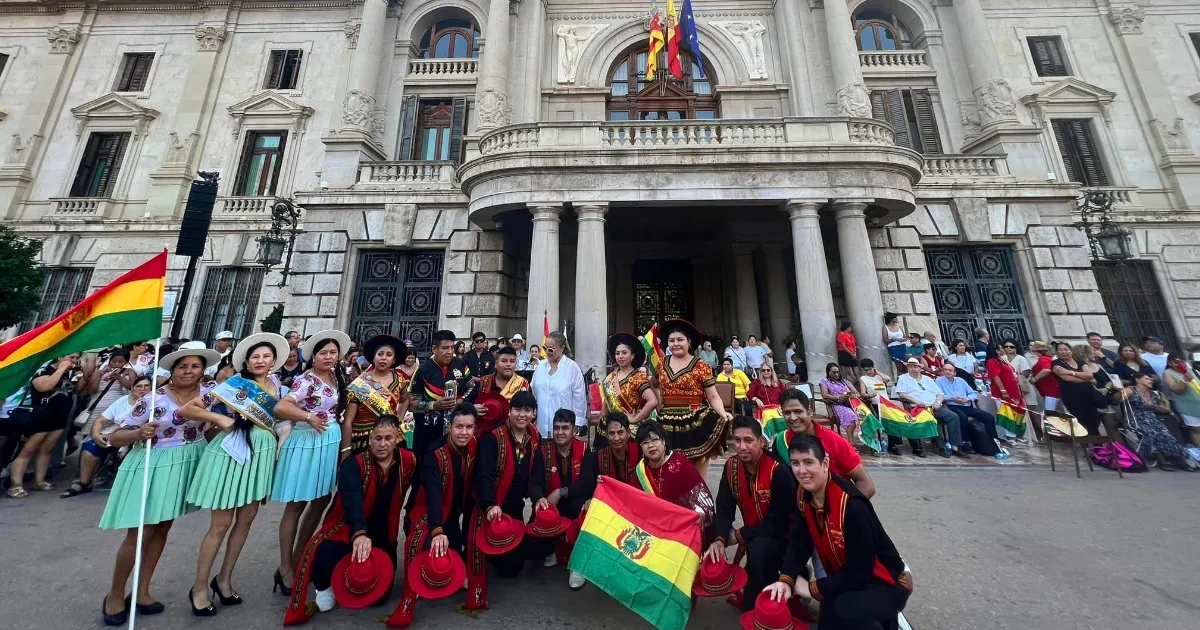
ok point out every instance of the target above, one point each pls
(869, 426)
(1012, 418)
(773, 422)
(641, 550)
(897, 422)
(654, 352)
(127, 310)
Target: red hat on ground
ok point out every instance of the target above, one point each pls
(769, 615)
(436, 577)
(360, 584)
(719, 578)
(500, 536)
(548, 523)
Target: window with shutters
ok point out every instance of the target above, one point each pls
(1079, 150)
(432, 129)
(62, 288)
(228, 302)
(3, 63)
(633, 96)
(1049, 59)
(450, 39)
(284, 71)
(1195, 37)
(910, 113)
(135, 72)
(258, 173)
(877, 30)
(100, 165)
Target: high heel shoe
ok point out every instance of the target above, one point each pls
(232, 600)
(279, 586)
(118, 619)
(153, 608)
(208, 611)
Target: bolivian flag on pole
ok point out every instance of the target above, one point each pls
(127, 310)
(1012, 418)
(897, 422)
(654, 352)
(869, 426)
(641, 550)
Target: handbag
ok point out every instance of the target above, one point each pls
(21, 417)
(82, 418)
(1129, 430)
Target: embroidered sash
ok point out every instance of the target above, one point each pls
(550, 457)
(248, 399)
(754, 501)
(379, 404)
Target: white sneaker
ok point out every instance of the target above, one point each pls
(576, 581)
(325, 601)
(551, 561)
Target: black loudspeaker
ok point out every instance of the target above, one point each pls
(193, 231)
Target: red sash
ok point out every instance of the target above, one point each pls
(830, 540)
(754, 502)
(550, 457)
(609, 466)
(418, 513)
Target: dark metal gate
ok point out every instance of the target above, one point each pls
(977, 287)
(1134, 303)
(398, 293)
(662, 289)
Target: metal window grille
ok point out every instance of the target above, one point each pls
(1134, 302)
(977, 287)
(228, 302)
(63, 288)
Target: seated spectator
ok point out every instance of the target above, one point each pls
(1076, 371)
(917, 389)
(838, 391)
(914, 348)
(930, 360)
(1151, 415)
(932, 338)
(765, 390)
(1129, 365)
(96, 450)
(960, 398)
(872, 383)
(1043, 376)
(741, 386)
(963, 360)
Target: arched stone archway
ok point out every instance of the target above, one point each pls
(597, 59)
(414, 24)
(916, 16)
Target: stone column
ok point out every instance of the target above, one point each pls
(818, 322)
(778, 303)
(852, 96)
(788, 35)
(748, 322)
(591, 289)
(992, 93)
(359, 138)
(860, 280)
(491, 96)
(543, 271)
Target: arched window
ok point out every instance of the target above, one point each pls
(632, 97)
(450, 39)
(876, 30)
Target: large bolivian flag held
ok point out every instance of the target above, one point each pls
(1012, 418)
(127, 310)
(869, 425)
(897, 422)
(642, 551)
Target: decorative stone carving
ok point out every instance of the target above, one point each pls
(1127, 18)
(572, 39)
(854, 100)
(969, 115)
(1172, 139)
(62, 39)
(995, 102)
(357, 109)
(352, 29)
(816, 4)
(19, 152)
(377, 124)
(514, 6)
(747, 36)
(210, 38)
(493, 108)
(179, 151)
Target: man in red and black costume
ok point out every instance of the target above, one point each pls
(365, 515)
(763, 489)
(619, 458)
(435, 515)
(430, 393)
(503, 470)
(564, 476)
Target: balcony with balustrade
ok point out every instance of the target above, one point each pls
(410, 175)
(895, 63)
(244, 207)
(442, 71)
(81, 208)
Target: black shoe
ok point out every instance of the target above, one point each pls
(232, 600)
(958, 452)
(208, 611)
(118, 619)
(892, 450)
(919, 453)
(283, 590)
(967, 448)
(153, 608)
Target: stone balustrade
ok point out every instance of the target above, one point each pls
(690, 133)
(965, 166)
(80, 207)
(870, 131)
(244, 206)
(443, 68)
(1120, 195)
(407, 172)
(877, 62)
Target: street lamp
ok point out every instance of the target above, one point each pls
(273, 245)
(1107, 240)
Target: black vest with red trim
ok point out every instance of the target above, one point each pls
(626, 470)
(554, 463)
(505, 459)
(827, 527)
(444, 456)
(752, 492)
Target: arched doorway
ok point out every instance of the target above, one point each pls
(632, 96)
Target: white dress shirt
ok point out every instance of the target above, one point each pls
(925, 391)
(564, 389)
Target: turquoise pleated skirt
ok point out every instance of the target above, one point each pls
(223, 484)
(307, 467)
(171, 471)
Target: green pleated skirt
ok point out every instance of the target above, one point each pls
(221, 483)
(171, 471)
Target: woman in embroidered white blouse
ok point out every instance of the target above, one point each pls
(558, 384)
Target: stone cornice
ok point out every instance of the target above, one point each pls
(120, 6)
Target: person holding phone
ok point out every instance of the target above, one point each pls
(437, 387)
(53, 393)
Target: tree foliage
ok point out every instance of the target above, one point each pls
(21, 278)
(273, 321)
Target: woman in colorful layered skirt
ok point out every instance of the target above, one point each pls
(306, 473)
(693, 416)
(381, 390)
(238, 466)
(627, 388)
(175, 450)
(668, 475)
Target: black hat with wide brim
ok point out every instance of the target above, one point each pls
(688, 329)
(372, 345)
(635, 346)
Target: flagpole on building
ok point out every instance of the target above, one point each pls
(141, 533)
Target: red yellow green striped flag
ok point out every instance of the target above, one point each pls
(641, 550)
(869, 426)
(128, 309)
(654, 351)
(1012, 418)
(898, 422)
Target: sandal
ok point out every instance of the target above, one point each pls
(17, 492)
(77, 488)
(45, 486)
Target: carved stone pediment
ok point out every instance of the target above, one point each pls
(270, 106)
(113, 107)
(1070, 90)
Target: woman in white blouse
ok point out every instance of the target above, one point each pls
(558, 384)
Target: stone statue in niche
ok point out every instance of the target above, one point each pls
(571, 41)
(747, 36)
(854, 100)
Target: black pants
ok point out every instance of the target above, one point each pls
(874, 608)
(764, 556)
(967, 413)
(329, 554)
(512, 563)
(427, 431)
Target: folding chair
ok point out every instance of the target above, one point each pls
(1071, 433)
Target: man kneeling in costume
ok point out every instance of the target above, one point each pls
(564, 477)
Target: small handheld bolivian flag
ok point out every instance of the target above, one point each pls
(869, 425)
(1011, 417)
(641, 550)
(897, 422)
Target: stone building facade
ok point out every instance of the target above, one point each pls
(486, 164)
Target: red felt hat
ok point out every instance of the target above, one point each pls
(718, 578)
(548, 523)
(360, 584)
(497, 411)
(436, 577)
(500, 536)
(769, 615)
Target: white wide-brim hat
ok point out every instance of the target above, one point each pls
(190, 349)
(278, 344)
(340, 338)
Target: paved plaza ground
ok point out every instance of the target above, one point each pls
(1011, 546)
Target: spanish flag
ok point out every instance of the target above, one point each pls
(897, 422)
(127, 310)
(658, 41)
(641, 550)
(1011, 417)
(545, 333)
(674, 63)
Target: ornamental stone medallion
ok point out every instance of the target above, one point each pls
(854, 100)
